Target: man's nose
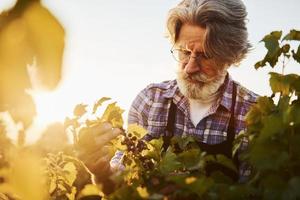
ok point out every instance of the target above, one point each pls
(192, 66)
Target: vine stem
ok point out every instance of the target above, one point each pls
(283, 65)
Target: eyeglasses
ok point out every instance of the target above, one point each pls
(184, 55)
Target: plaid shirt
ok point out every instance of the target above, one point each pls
(150, 110)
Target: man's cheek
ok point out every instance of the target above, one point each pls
(182, 66)
(208, 70)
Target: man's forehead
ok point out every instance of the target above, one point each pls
(191, 35)
(190, 42)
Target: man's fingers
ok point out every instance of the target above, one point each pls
(101, 128)
(108, 136)
(101, 165)
(99, 152)
(93, 139)
(90, 155)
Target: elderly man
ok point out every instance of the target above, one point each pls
(208, 36)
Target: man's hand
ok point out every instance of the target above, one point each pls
(93, 149)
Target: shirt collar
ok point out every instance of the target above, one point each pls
(170, 93)
(226, 93)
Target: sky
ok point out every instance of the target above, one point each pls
(115, 48)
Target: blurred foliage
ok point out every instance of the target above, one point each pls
(29, 35)
(23, 176)
(5, 144)
(54, 140)
(66, 176)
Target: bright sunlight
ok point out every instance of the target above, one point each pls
(51, 107)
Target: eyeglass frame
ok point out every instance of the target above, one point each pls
(201, 55)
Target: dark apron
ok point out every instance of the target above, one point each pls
(224, 148)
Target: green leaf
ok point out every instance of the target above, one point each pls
(99, 103)
(296, 86)
(157, 144)
(272, 125)
(184, 141)
(240, 192)
(296, 55)
(264, 106)
(191, 159)
(271, 40)
(169, 163)
(253, 117)
(295, 113)
(201, 185)
(274, 186)
(238, 141)
(274, 50)
(293, 188)
(292, 35)
(285, 48)
(79, 110)
(225, 161)
(268, 156)
(154, 149)
(260, 64)
(295, 147)
(282, 83)
(220, 178)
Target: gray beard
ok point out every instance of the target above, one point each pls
(205, 90)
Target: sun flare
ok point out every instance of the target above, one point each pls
(52, 107)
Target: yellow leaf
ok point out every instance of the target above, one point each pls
(79, 110)
(62, 188)
(99, 103)
(89, 190)
(190, 180)
(52, 185)
(113, 114)
(143, 192)
(137, 130)
(71, 172)
(116, 143)
(71, 196)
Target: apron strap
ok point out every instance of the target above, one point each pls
(231, 126)
(170, 126)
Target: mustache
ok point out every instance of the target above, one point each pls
(197, 77)
(201, 77)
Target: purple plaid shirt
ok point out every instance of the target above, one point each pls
(150, 110)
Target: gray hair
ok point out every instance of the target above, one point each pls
(226, 37)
